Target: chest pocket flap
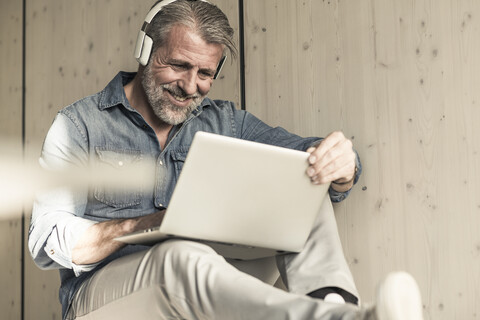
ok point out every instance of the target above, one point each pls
(115, 161)
(178, 158)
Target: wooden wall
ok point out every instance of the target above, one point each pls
(73, 49)
(398, 77)
(401, 79)
(11, 141)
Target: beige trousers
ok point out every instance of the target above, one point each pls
(180, 279)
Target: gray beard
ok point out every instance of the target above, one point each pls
(161, 105)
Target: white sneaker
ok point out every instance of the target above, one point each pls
(398, 298)
(334, 298)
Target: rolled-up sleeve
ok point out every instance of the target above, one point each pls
(57, 221)
(336, 196)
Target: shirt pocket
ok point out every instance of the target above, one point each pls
(178, 159)
(116, 161)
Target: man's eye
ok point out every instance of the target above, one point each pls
(205, 74)
(179, 66)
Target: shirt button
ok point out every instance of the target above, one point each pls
(161, 162)
(120, 163)
(52, 251)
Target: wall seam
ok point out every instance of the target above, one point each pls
(22, 255)
(241, 45)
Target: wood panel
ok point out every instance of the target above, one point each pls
(74, 48)
(11, 140)
(401, 79)
(227, 86)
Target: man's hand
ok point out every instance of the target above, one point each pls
(148, 221)
(98, 241)
(333, 160)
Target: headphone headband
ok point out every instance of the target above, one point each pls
(144, 44)
(156, 9)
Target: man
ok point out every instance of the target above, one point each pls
(150, 117)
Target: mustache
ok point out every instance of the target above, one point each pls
(179, 91)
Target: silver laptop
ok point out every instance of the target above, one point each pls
(245, 199)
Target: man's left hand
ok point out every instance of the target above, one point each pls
(333, 160)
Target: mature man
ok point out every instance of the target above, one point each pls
(150, 117)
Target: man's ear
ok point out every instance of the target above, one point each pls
(140, 68)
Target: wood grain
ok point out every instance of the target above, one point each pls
(401, 79)
(397, 77)
(227, 86)
(11, 140)
(74, 48)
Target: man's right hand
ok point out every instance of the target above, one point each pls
(98, 242)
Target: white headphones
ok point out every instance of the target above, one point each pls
(144, 44)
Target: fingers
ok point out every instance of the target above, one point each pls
(325, 145)
(332, 160)
(341, 170)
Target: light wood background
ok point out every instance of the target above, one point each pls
(73, 49)
(11, 146)
(401, 79)
(398, 77)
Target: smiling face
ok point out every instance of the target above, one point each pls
(180, 74)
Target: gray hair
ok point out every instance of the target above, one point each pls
(207, 19)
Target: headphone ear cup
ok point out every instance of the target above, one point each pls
(139, 44)
(145, 51)
(219, 67)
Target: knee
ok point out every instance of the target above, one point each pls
(177, 255)
(181, 247)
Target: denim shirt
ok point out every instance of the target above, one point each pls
(104, 128)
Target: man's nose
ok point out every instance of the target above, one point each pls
(188, 82)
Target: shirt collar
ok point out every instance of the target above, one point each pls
(113, 94)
